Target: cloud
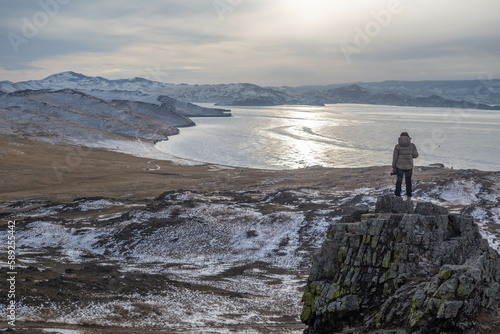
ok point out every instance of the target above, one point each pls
(289, 42)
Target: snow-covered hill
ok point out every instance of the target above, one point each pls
(476, 91)
(72, 80)
(483, 91)
(224, 94)
(73, 117)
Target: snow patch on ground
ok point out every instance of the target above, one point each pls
(460, 193)
(72, 241)
(99, 204)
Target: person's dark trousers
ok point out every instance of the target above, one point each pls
(406, 173)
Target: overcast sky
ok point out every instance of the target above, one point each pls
(266, 42)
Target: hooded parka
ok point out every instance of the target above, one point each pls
(404, 153)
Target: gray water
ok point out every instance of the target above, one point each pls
(341, 135)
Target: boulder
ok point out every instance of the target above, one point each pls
(355, 216)
(430, 209)
(393, 204)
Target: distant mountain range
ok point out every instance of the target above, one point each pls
(485, 91)
(357, 94)
(472, 94)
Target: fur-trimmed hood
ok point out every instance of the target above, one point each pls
(404, 141)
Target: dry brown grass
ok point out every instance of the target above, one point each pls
(31, 169)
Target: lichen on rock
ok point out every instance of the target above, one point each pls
(422, 270)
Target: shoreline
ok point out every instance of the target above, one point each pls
(34, 169)
(272, 143)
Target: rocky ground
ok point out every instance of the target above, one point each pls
(109, 242)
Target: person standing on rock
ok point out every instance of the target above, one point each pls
(402, 163)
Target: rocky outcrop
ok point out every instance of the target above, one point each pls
(428, 271)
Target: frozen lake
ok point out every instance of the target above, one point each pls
(341, 135)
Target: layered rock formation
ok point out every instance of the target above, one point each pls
(404, 269)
